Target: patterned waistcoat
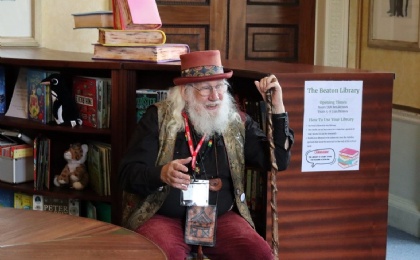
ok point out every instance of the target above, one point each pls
(137, 210)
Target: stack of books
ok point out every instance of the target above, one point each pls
(136, 35)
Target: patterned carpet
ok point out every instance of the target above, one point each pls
(402, 246)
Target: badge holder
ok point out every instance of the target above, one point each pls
(197, 194)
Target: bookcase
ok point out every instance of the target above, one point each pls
(329, 214)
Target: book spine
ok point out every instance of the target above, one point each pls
(2, 91)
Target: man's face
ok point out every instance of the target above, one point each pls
(208, 106)
(208, 96)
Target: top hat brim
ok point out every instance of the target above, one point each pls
(186, 80)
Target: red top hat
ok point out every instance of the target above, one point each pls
(201, 66)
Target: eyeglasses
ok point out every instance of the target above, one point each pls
(207, 90)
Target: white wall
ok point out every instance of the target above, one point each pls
(404, 188)
(56, 24)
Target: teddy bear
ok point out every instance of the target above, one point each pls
(74, 173)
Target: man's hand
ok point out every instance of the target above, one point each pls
(174, 173)
(271, 82)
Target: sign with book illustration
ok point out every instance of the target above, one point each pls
(332, 126)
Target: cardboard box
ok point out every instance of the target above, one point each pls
(16, 170)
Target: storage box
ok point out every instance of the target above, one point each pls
(16, 170)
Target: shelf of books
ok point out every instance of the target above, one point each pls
(44, 91)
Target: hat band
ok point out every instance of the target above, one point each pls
(202, 71)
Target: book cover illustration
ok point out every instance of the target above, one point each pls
(56, 205)
(348, 157)
(146, 98)
(91, 94)
(39, 97)
(22, 201)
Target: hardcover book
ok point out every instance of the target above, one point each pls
(39, 96)
(98, 19)
(2, 91)
(58, 205)
(135, 14)
(150, 53)
(95, 169)
(21, 150)
(22, 201)
(42, 163)
(99, 167)
(111, 37)
(91, 94)
(6, 198)
(146, 98)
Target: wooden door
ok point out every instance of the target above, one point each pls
(272, 30)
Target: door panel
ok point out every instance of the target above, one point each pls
(280, 30)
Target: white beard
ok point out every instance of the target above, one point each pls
(206, 121)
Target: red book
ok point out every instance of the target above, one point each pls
(136, 15)
(89, 95)
(349, 152)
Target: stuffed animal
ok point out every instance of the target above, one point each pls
(74, 173)
(64, 106)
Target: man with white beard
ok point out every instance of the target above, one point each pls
(186, 161)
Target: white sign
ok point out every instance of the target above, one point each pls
(332, 126)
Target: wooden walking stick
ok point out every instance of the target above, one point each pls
(273, 181)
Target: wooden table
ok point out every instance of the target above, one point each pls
(30, 234)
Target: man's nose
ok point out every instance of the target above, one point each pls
(214, 95)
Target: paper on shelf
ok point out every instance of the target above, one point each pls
(19, 104)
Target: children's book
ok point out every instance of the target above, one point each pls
(39, 96)
(91, 94)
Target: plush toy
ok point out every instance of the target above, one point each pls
(64, 106)
(74, 173)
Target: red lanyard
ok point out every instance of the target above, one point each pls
(190, 143)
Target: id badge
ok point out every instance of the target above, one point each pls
(197, 194)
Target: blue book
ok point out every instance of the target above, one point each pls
(6, 198)
(2, 91)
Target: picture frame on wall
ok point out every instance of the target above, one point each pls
(19, 22)
(394, 24)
